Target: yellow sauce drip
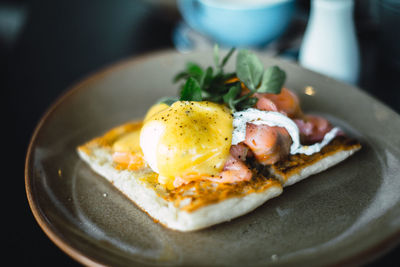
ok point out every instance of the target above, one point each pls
(128, 142)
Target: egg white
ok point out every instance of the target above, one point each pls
(150, 136)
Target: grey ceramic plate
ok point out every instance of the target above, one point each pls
(347, 214)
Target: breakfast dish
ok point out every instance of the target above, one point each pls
(352, 207)
(226, 145)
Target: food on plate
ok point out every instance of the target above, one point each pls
(228, 143)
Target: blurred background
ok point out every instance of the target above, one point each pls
(46, 46)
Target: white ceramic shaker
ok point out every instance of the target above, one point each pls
(330, 44)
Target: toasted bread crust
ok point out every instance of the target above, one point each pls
(294, 164)
(198, 194)
(189, 202)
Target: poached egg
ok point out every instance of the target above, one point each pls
(188, 138)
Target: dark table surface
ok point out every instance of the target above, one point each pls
(52, 44)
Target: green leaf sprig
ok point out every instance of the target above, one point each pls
(212, 83)
(250, 71)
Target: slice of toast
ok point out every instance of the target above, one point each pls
(204, 203)
(300, 166)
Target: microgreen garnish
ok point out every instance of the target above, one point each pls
(230, 96)
(272, 81)
(213, 84)
(249, 69)
(191, 90)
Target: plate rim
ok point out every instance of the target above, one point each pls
(363, 257)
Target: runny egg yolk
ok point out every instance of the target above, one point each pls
(187, 139)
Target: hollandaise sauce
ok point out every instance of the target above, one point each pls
(187, 139)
